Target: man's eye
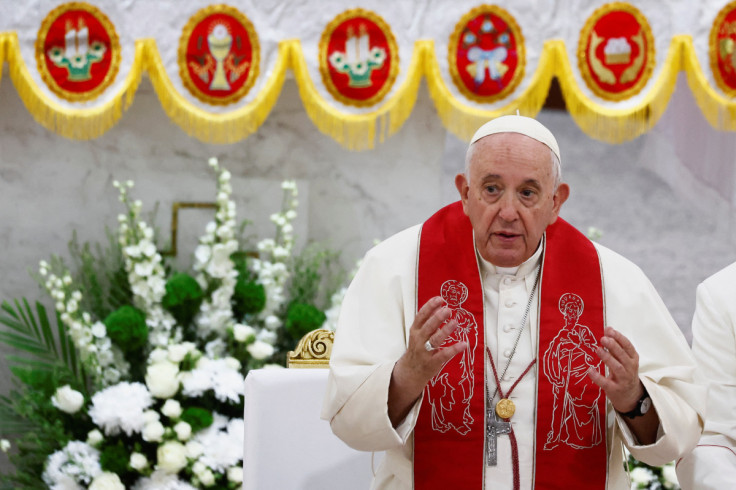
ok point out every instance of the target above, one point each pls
(527, 193)
(491, 189)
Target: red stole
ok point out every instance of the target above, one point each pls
(449, 437)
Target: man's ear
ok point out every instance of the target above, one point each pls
(559, 198)
(461, 182)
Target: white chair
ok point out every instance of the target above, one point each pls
(287, 445)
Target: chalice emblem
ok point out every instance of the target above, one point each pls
(219, 41)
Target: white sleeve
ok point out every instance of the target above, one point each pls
(375, 316)
(666, 364)
(712, 464)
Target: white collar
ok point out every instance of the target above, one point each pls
(521, 270)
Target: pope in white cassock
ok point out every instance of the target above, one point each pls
(495, 346)
(712, 464)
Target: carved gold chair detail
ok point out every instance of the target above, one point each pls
(312, 351)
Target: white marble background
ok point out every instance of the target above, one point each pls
(653, 197)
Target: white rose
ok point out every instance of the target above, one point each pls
(183, 430)
(67, 400)
(241, 333)
(260, 350)
(4, 445)
(162, 380)
(272, 322)
(151, 416)
(207, 478)
(641, 475)
(153, 432)
(171, 409)
(107, 481)
(138, 461)
(158, 355)
(202, 254)
(235, 474)
(94, 437)
(194, 450)
(177, 352)
(232, 363)
(171, 456)
(198, 468)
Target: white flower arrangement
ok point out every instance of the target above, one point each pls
(155, 380)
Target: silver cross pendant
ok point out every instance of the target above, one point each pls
(494, 428)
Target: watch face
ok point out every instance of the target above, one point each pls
(645, 405)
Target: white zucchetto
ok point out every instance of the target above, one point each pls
(522, 125)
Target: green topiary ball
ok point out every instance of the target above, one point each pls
(303, 318)
(197, 417)
(127, 327)
(249, 297)
(183, 297)
(114, 458)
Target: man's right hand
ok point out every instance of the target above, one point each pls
(417, 366)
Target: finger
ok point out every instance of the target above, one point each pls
(623, 341)
(438, 338)
(616, 350)
(614, 366)
(596, 377)
(446, 353)
(426, 311)
(434, 323)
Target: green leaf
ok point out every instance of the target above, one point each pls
(43, 319)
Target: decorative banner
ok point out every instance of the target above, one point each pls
(358, 58)
(616, 51)
(77, 51)
(486, 54)
(722, 49)
(219, 55)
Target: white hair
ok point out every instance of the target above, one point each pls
(556, 166)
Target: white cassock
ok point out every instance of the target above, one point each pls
(373, 332)
(712, 464)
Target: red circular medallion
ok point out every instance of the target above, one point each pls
(77, 51)
(486, 54)
(722, 48)
(219, 55)
(358, 58)
(616, 51)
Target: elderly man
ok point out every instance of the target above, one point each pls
(495, 346)
(712, 464)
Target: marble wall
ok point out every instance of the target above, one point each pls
(657, 199)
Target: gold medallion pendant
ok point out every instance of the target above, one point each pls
(505, 408)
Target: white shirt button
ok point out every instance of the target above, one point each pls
(507, 353)
(509, 303)
(508, 280)
(508, 327)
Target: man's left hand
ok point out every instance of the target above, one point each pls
(622, 384)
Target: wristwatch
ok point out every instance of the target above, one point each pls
(642, 406)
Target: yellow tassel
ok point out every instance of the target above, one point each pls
(719, 111)
(215, 128)
(617, 125)
(358, 131)
(462, 120)
(77, 124)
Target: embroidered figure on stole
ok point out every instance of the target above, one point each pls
(451, 404)
(575, 417)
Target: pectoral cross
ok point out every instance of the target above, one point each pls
(494, 428)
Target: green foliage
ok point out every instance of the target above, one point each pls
(197, 417)
(47, 360)
(127, 327)
(183, 297)
(100, 273)
(302, 318)
(315, 275)
(114, 458)
(249, 297)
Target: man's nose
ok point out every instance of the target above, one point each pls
(509, 210)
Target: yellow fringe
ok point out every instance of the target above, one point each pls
(462, 120)
(358, 131)
(77, 124)
(215, 128)
(617, 125)
(719, 111)
(362, 131)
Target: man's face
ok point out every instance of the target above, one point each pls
(510, 197)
